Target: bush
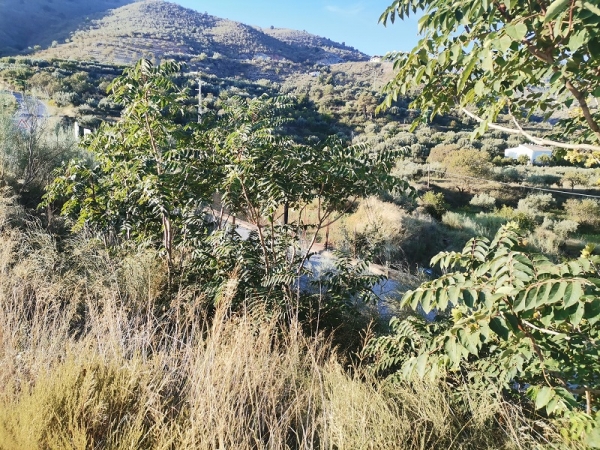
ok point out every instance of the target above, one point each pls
(536, 203)
(544, 160)
(523, 160)
(543, 179)
(483, 200)
(62, 98)
(575, 178)
(434, 204)
(564, 228)
(480, 225)
(440, 152)
(584, 212)
(509, 175)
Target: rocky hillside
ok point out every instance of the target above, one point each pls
(29, 23)
(158, 29)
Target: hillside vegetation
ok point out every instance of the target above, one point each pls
(40, 22)
(287, 265)
(158, 29)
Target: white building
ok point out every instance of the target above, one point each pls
(533, 152)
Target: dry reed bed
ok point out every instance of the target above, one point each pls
(87, 362)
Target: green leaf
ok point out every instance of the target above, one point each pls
(479, 87)
(503, 43)
(465, 75)
(592, 7)
(544, 395)
(555, 8)
(426, 301)
(498, 326)
(452, 350)
(577, 40)
(573, 293)
(442, 299)
(516, 31)
(557, 292)
(421, 366)
(592, 311)
(578, 314)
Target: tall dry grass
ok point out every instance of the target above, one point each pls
(88, 361)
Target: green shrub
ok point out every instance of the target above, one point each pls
(434, 204)
(585, 211)
(565, 228)
(575, 178)
(509, 175)
(536, 203)
(543, 179)
(483, 200)
(523, 160)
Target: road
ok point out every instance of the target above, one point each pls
(389, 291)
(28, 109)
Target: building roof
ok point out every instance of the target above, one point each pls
(536, 148)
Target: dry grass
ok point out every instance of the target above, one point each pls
(88, 361)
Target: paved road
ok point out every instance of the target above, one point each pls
(28, 109)
(389, 290)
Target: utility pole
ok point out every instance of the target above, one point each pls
(199, 80)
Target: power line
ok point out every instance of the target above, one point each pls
(556, 191)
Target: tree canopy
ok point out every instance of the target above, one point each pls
(491, 57)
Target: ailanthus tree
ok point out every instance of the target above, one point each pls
(153, 176)
(146, 175)
(517, 57)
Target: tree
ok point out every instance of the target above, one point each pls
(155, 174)
(467, 164)
(487, 58)
(575, 178)
(585, 211)
(265, 174)
(516, 321)
(148, 176)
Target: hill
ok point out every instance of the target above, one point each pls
(31, 23)
(158, 29)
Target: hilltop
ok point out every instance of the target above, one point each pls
(158, 29)
(32, 23)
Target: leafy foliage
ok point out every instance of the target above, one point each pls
(145, 177)
(506, 318)
(154, 176)
(515, 56)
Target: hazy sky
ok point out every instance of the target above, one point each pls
(354, 22)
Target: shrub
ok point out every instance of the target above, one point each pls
(480, 225)
(434, 204)
(509, 175)
(483, 200)
(585, 211)
(523, 160)
(62, 98)
(575, 178)
(543, 179)
(564, 228)
(544, 160)
(440, 152)
(536, 203)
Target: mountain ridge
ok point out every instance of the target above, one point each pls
(160, 29)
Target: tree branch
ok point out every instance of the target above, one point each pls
(535, 140)
(544, 330)
(581, 99)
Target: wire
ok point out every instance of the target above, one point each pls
(556, 191)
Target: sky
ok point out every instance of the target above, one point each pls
(354, 22)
